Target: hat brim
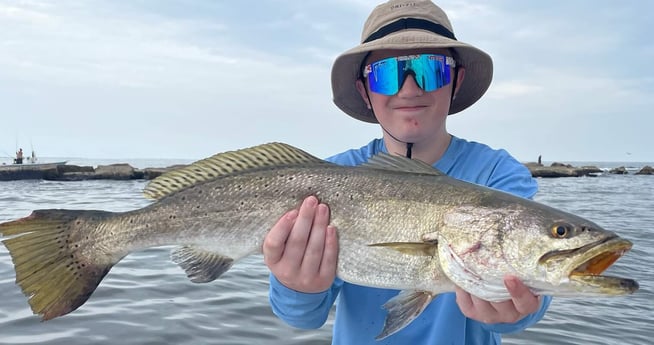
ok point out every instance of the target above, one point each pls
(346, 70)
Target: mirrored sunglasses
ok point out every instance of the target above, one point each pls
(430, 71)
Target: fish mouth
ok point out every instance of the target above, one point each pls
(601, 255)
(587, 263)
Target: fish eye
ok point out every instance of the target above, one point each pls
(561, 230)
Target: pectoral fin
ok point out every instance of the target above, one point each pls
(404, 308)
(201, 266)
(411, 248)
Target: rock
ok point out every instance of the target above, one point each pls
(553, 171)
(75, 176)
(71, 173)
(151, 173)
(619, 171)
(27, 172)
(561, 170)
(116, 172)
(68, 168)
(557, 164)
(646, 170)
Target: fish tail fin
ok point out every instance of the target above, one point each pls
(52, 269)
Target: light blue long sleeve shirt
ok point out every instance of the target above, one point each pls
(359, 315)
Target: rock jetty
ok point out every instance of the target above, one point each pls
(68, 172)
(562, 170)
(123, 171)
(567, 170)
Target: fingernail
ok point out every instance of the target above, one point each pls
(291, 215)
(311, 201)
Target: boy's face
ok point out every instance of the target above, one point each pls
(411, 115)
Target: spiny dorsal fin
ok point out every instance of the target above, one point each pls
(387, 161)
(261, 156)
(201, 266)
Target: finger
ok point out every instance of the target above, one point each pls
(316, 243)
(505, 312)
(475, 308)
(485, 311)
(297, 239)
(275, 240)
(330, 255)
(524, 300)
(464, 300)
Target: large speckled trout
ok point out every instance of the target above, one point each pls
(401, 225)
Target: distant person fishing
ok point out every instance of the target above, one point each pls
(19, 157)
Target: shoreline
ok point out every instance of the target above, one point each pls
(124, 171)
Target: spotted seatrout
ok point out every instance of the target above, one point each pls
(401, 225)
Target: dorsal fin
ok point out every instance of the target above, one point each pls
(256, 157)
(387, 161)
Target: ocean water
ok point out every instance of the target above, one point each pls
(146, 299)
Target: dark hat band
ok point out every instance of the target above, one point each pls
(410, 23)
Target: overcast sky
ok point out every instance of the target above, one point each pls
(573, 80)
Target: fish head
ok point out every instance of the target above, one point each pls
(573, 255)
(551, 251)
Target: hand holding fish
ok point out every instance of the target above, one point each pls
(522, 303)
(301, 249)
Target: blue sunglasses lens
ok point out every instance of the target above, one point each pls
(430, 71)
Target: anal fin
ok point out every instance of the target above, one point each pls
(404, 308)
(200, 265)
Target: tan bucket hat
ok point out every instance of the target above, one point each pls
(408, 24)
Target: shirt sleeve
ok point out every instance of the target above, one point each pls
(302, 310)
